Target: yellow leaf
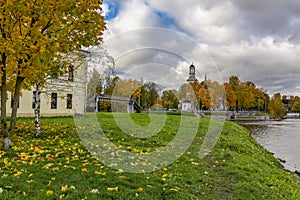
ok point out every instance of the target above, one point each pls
(113, 189)
(47, 165)
(18, 173)
(6, 161)
(80, 151)
(1, 190)
(84, 170)
(94, 191)
(30, 181)
(101, 173)
(42, 50)
(49, 192)
(64, 188)
(165, 175)
(140, 189)
(84, 164)
(72, 187)
(56, 169)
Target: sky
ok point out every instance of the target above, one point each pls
(157, 40)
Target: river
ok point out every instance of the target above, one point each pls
(279, 137)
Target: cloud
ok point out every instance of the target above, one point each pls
(256, 40)
(132, 14)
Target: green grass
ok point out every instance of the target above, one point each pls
(57, 165)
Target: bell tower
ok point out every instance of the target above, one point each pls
(192, 73)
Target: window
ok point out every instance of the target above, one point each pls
(54, 101)
(12, 101)
(33, 99)
(69, 101)
(71, 73)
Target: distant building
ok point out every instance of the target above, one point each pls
(64, 96)
(186, 105)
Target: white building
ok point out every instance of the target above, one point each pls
(186, 105)
(64, 96)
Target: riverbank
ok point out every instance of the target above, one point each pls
(57, 165)
(282, 138)
(234, 116)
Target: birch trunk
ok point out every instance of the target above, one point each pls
(37, 111)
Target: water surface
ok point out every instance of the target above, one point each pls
(279, 137)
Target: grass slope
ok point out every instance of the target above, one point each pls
(57, 166)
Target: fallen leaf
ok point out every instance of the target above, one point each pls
(140, 189)
(113, 189)
(49, 193)
(64, 188)
(94, 191)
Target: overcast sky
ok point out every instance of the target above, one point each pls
(157, 40)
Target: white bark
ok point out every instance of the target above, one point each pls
(37, 116)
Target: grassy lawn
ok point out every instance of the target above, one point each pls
(58, 166)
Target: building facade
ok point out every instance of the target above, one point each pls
(63, 96)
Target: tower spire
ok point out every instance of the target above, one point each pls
(192, 73)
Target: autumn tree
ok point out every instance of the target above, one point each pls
(295, 107)
(169, 99)
(95, 83)
(128, 88)
(217, 93)
(194, 93)
(244, 95)
(231, 97)
(34, 36)
(149, 94)
(205, 98)
(276, 107)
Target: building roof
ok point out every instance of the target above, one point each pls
(186, 101)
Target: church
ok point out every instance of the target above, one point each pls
(186, 104)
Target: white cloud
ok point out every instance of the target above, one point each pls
(105, 9)
(257, 40)
(133, 14)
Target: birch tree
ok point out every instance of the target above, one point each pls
(62, 83)
(35, 31)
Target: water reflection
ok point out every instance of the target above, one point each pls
(279, 137)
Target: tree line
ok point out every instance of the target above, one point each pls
(233, 95)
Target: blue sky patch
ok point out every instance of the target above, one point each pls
(167, 21)
(113, 10)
